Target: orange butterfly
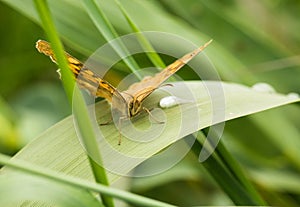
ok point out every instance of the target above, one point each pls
(128, 102)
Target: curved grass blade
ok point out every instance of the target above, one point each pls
(153, 56)
(79, 108)
(109, 33)
(72, 155)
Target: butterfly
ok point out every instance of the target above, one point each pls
(128, 102)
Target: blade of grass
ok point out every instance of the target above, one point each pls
(9, 136)
(228, 160)
(233, 188)
(231, 164)
(71, 159)
(49, 28)
(80, 111)
(235, 170)
(109, 33)
(53, 175)
(224, 60)
(238, 73)
(239, 199)
(246, 26)
(153, 56)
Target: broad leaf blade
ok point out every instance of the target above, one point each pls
(23, 190)
(59, 148)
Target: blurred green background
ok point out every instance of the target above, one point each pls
(254, 41)
(32, 98)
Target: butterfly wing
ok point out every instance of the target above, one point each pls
(141, 90)
(86, 78)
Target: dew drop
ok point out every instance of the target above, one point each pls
(293, 95)
(263, 88)
(170, 101)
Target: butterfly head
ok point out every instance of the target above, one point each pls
(134, 107)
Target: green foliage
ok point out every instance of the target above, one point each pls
(254, 41)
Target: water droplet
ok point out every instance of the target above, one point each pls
(293, 95)
(170, 101)
(263, 87)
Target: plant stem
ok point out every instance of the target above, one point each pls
(79, 109)
(79, 183)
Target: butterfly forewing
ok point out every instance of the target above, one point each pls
(87, 78)
(141, 90)
(129, 102)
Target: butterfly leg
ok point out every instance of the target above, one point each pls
(107, 122)
(120, 129)
(149, 112)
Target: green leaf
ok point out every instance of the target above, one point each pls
(79, 109)
(65, 182)
(282, 133)
(9, 137)
(277, 181)
(59, 148)
(107, 30)
(20, 189)
(154, 57)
